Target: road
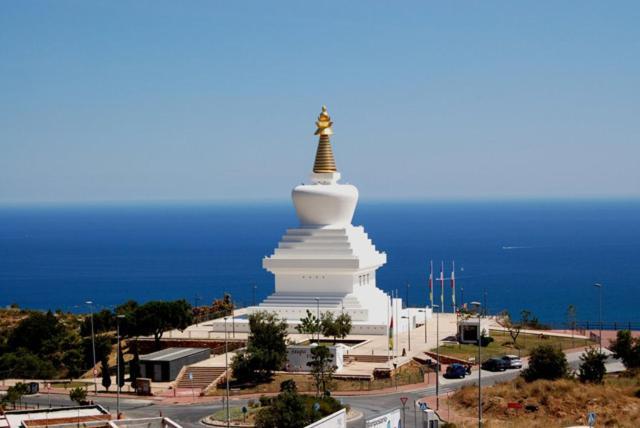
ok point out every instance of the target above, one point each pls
(189, 415)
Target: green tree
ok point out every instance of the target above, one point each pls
(592, 367)
(338, 327)
(322, 368)
(134, 368)
(78, 394)
(546, 362)
(73, 362)
(103, 321)
(15, 393)
(288, 409)
(103, 349)
(266, 348)
(106, 377)
(40, 333)
(310, 325)
(122, 367)
(24, 364)
(156, 317)
(626, 348)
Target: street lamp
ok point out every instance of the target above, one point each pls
(226, 371)
(118, 318)
(477, 305)
(599, 287)
(424, 311)
(436, 307)
(408, 318)
(93, 346)
(318, 317)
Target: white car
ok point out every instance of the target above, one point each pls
(512, 361)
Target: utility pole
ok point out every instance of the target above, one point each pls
(477, 305)
(599, 287)
(437, 356)
(226, 368)
(93, 346)
(195, 301)
(408, 318)
(118, 318)
(318, 317)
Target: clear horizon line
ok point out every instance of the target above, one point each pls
(277, 201)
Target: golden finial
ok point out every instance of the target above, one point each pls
(324, 123)
(324, 155)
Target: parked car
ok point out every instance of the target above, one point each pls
(512, 361)
(494, 365)
(456, 371)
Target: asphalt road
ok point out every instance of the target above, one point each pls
(189, 415)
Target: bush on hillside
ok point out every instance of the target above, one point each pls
(546, 362)
(592, 367)
(627, 349)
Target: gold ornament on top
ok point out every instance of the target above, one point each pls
(324, 123)
(324, 163)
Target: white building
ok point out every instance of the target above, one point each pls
(326, 263)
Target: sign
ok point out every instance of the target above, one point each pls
(299, 356)
(423, 406)
(404, 400)
(391, 419)
(591, 418)
(514, 405)
(95, 372)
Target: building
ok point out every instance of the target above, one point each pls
(165, 365)
(326, 263)
(87, 416)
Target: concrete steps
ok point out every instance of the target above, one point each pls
(202, 376)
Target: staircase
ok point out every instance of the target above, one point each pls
(202, 376)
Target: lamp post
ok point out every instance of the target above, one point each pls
(424, 311)
(318, 317)
(408, 286)
(436, 307)
(408, 318)
(93, 346)
(118, 318)
(599, 287)
(477, 305)
(226, 371)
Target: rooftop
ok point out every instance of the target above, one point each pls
(171, 354)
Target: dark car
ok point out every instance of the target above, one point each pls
(456, 371)
(494, 365)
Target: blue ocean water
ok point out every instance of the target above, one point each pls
(540, 256)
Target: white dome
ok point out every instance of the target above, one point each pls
(325, 204)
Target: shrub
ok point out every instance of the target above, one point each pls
(546, 362)
(78, 394)
(627, 349)
(592, 367)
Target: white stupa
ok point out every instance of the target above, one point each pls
(326, 262)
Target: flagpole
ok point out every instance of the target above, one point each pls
(388, 331)
(453, 285)
(442, 286)
(431, 284)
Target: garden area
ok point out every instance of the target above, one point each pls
(502, 344)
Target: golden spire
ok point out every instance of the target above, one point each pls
(324, 155)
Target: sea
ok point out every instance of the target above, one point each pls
(540, 256)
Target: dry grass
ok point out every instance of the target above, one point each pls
(502, 345)
(560, 403)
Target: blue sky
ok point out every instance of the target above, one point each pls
(216, 101)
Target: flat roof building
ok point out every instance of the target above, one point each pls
(164, 365)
